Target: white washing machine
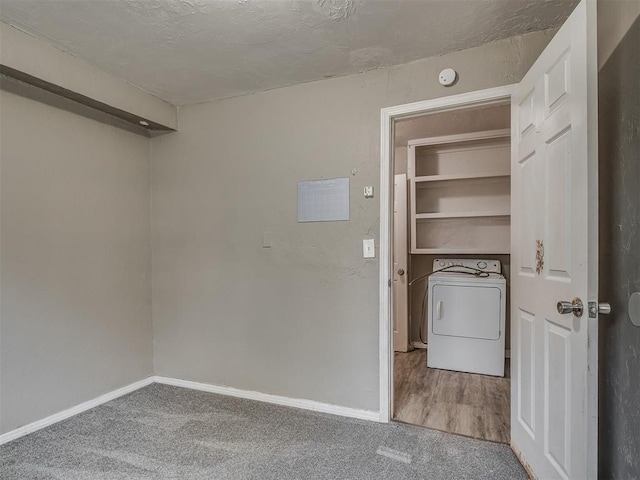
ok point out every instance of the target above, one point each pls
(466, 316)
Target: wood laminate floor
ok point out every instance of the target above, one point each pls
(464, 403)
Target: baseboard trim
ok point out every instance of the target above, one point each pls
(275, 399)
(70, 412)
(229, 391)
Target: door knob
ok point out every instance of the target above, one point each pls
(400, 271)
(602, 308)
(575, 306)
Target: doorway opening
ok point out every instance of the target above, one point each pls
(451, 346)
(450, 162)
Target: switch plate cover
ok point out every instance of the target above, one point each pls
(368, 248)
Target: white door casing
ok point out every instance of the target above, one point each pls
(554, 255)
(388, 116)
(400, 265)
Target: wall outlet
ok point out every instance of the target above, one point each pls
(368, 248)
(368, 191)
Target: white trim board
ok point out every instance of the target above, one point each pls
(70, 412)
(387, 118)
(274, 399)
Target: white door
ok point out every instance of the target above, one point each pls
(400, 274)
(554, 254)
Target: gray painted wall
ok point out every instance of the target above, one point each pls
(75, 252)
(619, 139)
(301, 318)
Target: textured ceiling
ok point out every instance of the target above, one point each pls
(190, 51)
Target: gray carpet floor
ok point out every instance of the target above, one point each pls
(163, 432)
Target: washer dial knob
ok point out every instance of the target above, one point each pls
(482, 265)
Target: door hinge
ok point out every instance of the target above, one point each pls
(389, 283)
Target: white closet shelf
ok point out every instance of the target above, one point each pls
(460, 193)
(461, 251)
(438, 215)
(460, 176)
(458, 138)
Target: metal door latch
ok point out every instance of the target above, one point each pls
(599, 308)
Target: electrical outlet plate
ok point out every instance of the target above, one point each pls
(368, 191)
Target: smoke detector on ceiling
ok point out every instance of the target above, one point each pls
(448, 77)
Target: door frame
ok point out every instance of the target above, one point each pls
(388, 116)
(399, 227)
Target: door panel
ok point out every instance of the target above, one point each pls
(527, 201)
(556, 84)
(524, 379)
(527, 111)
(554, 245)
(558, 206)
(557, 425)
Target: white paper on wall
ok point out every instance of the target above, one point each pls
(323, 200)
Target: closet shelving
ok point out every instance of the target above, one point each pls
(460, 193)
(497, 213)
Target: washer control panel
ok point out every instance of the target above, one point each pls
(491, 266)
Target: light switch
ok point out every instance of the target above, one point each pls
(368, 191)
(267, 238)
(368, 248)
